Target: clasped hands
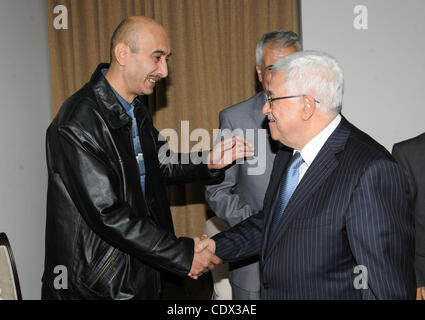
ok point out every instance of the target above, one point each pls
(204, 258)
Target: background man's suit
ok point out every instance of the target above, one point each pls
(349, 209)
(241, 194)
(410, 154)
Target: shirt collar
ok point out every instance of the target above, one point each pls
(311, 149)
(127, 106)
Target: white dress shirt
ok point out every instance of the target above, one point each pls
(311, 149)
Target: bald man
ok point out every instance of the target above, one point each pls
(109, 232)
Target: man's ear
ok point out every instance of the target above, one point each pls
(259, 74)
(309, 107)
(122, 52)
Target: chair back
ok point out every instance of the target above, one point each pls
(9, 281)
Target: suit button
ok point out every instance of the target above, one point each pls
(265, 285)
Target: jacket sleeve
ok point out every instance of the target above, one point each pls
(97, 191)
(226, 204)
(380, 231)
(419, 214)
(241, 241)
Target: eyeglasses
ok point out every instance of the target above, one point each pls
(270, 99)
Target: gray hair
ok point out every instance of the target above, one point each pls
(314, 73)
(279, 38)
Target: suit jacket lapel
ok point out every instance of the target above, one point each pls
(323, 165)
(279, 168)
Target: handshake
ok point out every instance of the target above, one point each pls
(204, 258)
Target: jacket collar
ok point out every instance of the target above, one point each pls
(257, 106)
(114, 112)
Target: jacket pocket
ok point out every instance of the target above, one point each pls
(104, 271)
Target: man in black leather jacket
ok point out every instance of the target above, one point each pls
(108, 232)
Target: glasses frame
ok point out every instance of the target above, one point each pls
(270, 99)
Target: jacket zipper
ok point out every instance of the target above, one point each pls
(132, 148)
(138, 170)
(108, 263)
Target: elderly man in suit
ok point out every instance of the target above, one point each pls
(335, 223)
(241, 193)
(410, 154)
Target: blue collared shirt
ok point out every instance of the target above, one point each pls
(129, 109)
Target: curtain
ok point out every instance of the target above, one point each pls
(212, 66)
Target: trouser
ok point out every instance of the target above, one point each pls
(222, 288)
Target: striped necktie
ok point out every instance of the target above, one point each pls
(287, 187)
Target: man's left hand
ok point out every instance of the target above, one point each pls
(229, 150)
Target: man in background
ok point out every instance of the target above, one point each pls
(108, 219)
(410, 154)
(241, 193)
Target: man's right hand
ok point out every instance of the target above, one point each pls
(204, 258)
(205, 243)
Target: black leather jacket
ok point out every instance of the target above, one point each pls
(112, 239)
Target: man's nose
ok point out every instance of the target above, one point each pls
(163, 68)
(266, 108)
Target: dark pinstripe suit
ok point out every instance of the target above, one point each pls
(349, 209)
